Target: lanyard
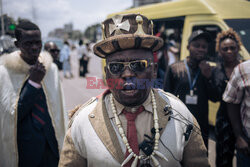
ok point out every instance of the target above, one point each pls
(191, 84)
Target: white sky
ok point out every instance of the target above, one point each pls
(51, 14)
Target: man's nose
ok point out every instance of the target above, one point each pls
(35, 46)
(127, 73)
(229, 50)
(202, 49)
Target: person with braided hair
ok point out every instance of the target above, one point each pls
(227, 46)
(237, 97)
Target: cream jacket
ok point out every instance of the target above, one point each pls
(93, 141)
(13, 74)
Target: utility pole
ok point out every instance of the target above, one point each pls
(2, 19)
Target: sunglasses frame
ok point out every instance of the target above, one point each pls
(53, 50)
(127, 64)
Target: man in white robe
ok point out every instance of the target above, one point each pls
(32, 116)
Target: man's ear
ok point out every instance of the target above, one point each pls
(106, 71)
(155, 66)
(238, 48)
(16, 44)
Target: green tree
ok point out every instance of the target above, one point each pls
(91, 32)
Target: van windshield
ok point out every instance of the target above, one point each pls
(242, 27)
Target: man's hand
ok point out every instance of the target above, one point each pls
(179, 69)
(242, 145)
(206, 69)
(37, 72)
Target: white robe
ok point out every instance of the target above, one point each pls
(13, 74)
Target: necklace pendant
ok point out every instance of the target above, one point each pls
(148, 146)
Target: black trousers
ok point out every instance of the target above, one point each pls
(83, 67)
(225, 140)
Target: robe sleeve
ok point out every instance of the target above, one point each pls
(69, 155)
(195, 152)
(26, 100)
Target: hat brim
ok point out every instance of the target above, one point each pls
(127, 41)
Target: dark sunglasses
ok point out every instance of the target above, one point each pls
(116, 68)
(54, 50)
(232, 48)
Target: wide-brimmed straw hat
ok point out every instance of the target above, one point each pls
(131, 31)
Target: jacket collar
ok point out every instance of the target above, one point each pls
(119, 107)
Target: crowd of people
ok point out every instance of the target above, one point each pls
(126, 125)
(62, 57)
(195, 82)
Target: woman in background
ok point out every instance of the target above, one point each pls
(227, 46)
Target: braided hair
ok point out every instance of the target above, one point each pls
(231, 34)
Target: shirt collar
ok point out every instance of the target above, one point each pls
(119, 107)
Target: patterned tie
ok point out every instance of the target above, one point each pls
(132, 134)
(38, 113)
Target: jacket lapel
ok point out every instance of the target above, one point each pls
(105, 131)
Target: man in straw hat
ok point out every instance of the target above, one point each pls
(132, 124)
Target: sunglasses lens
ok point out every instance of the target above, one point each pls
(138, 66)
(116, 68)
(233, 48)
(224, 49)
(54, 50)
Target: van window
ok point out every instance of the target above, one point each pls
(171, 32)
(213, 30)
(242, 27)
(169, 23)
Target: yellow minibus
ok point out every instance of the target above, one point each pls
(185, 16)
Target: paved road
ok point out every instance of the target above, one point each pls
(75, 91)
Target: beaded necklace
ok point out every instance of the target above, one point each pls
(125, 140)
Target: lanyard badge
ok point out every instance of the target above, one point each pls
(191, 98)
